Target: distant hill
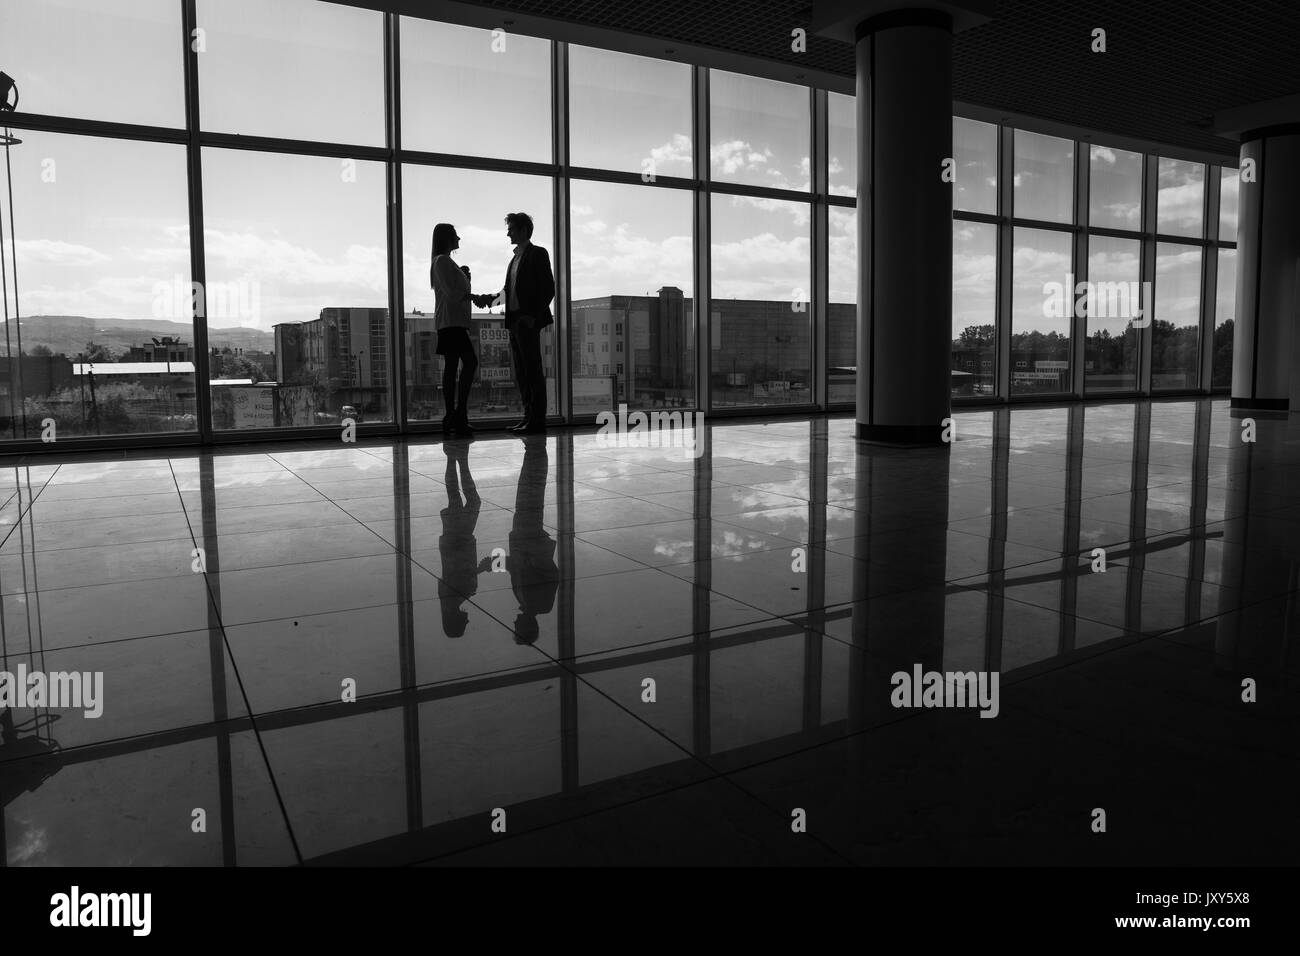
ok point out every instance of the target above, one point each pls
(70, 333)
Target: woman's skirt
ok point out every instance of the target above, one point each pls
(454, 341)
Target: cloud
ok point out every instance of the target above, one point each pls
(731, 157)
(673, 156)
(1180, 203)
(56, 252)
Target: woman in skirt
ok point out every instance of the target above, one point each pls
(451, 321)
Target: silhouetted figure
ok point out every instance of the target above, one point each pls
(528, 291)
(451, 320)
(20, 746)
(457, 545)
(534, 575)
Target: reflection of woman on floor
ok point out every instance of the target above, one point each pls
(451, 321)
(457, 544)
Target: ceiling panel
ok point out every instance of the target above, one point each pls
(1169, 66)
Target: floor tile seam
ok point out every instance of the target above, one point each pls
(214, 609)
(24, 510)
(390, 698)
(183, 575)
(110, 641)
(712, 772)
(232, 725)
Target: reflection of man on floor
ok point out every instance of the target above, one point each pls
(457, 545)
(534, 576)
(20, 745)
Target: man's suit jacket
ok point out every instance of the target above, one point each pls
(535, 288)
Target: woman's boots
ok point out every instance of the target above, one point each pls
(461, 418)
(449, 400)
(456, 421)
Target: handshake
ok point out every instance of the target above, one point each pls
(486, 301)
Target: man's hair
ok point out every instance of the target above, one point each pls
(523, 221)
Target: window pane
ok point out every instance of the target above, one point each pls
(112, 60)
(1225, 309)
(301, 249)
(475, 202)
(1181, 196)
(974, 307)
(759, 316)
(1111, 348)
(1040, 324)
(629, 113)
(1115, 188)
(842, 136)
(467, 91)
(296, 69)
(975, 151)
(760, 131)
(632, 297)
(1229, 196)
(1044, 184)
(1176, 326)
(842, 311)
(103, 256)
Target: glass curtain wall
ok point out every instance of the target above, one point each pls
(308, 188)
(631, 232)
(760, 321)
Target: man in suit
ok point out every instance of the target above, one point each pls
(527, 293)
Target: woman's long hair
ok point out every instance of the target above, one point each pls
(443, 234)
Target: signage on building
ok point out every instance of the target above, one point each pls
(493, 336)
(254, 406)
(1036, 376)
(495, 374)
(1051, 364)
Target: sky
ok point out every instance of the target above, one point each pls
(102, 224)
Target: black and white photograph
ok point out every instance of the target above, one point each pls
(504, 435)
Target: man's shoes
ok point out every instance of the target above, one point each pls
(537, 428)
(518, 426)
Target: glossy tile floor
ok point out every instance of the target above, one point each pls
(500, 606)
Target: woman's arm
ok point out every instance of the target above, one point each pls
(447, 274)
